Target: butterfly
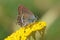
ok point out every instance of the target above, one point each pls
(25, 16)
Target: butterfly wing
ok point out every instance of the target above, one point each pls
(25, 16)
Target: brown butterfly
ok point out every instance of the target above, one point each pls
(25, 16)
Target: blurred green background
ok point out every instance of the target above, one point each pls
(9, 11)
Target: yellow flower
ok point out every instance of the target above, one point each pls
(16, 35)
(38, 26)
(24, 32)
(28, 31)
(23, 38)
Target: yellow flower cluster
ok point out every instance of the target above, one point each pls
(24, 32)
